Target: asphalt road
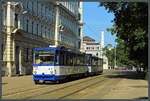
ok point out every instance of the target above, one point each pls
(110, 85)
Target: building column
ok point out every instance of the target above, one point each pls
(57, 26)
(9, 41)
(81, 26)
(20, 60)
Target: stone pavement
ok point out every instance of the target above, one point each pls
(131, 86)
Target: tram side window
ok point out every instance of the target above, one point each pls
(56, 57)
(93, 61)
(89, 60)
(64, 55)
(102, 62)
(75, 59)
(96, 61)
(81, 60)
(99, 62)
(71, 59)
(36, 59)
(78, 60)
(68, 59)
(86, 58)
(44, 57)
(62, 58)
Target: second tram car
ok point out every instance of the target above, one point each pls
(55, 64)
(95, 65)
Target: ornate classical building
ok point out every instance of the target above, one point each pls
(90, 46)
(33, 24)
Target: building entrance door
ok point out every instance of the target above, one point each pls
(17, 59)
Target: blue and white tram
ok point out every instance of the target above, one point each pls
(95, 65)
(55, 64)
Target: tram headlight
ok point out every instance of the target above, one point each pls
(55, 71)
(34, 72)
(51, 72)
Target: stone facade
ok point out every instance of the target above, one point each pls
(33, 24)
(90, 46)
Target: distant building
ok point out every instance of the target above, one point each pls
(105, 59)
(105, 63)
(90, 46)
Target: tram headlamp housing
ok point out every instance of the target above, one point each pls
(35, 72)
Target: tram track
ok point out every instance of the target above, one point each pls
(70, 94)
(59, 90)
(53, 90)
(62, 88)
(36, 89)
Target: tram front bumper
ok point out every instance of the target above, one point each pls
(46, 77)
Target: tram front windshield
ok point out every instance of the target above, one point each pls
(44, 57)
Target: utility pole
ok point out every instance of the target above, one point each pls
(115, 57)
(102, 42)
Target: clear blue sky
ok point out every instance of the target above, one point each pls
(97, 19)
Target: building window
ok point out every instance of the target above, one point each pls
(27, 25)
(37, 29)
(45, 32)
(27, 54)
(79, 16)
(27, 4)
(41, 29)
(79, 31)
(32, 26)
(32, 55)
(16, 20)
(32, 5)
(2, 52)
(96, 54)
(79, 45)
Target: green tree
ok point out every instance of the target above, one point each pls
(109, 53)
(122, 55)
(131, 26)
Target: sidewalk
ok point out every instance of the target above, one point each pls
(130, 86)
(128, 89)
(16, 81)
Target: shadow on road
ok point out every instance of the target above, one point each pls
(66, 80)
(127, 75)
(142, 98)
(62, 81)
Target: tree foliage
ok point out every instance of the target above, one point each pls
(131, 27)
(122, 56)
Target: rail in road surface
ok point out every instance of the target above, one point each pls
(70, 90)
(52, 88)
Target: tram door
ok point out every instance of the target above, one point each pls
(17, 59)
